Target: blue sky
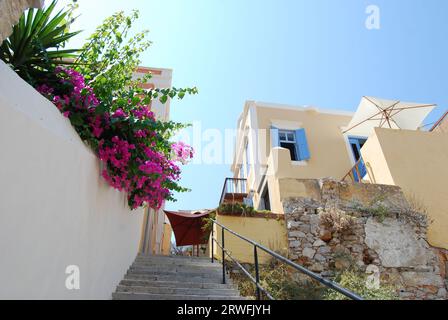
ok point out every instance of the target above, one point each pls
(308, 52)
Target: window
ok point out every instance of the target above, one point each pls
(265, 203)
(293, 140)
(287, 140)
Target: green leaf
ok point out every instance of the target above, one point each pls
(76, 119)
(163, 99)
(32, 48)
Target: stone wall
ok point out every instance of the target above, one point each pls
(367, 227)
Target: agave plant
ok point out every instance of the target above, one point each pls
(36, 45)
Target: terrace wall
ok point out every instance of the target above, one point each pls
(55, 209)
(382, 233)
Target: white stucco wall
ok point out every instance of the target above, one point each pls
(55, 209)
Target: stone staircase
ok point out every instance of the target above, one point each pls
(174, 278)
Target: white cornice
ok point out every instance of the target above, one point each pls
(261, 104)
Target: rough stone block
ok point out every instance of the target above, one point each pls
(442, 293)
(308, 252)
(316, 267)
(319, 243)
(306, 228)
(417, 279)
(294, 244)
(325, 235)
(395, 243)
(298, 234)
(320, 258)
(324, 250)
(293, 224)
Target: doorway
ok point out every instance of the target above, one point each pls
(356, 143)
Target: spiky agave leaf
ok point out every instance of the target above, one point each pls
(33, 49)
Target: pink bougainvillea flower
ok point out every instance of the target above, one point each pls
(182, 152)
(119, 113)
(140, 134)
(133, 162)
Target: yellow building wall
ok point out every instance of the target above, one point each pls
(292, 188)
(166, 239)
(326, 142)
(270, 233)
(417, 162)
(329, 149)
(375, 161)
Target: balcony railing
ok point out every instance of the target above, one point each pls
(357, 173)
(234, 190)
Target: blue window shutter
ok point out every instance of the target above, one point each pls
(302, 145)
(274, 137)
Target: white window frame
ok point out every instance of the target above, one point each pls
(286, 132)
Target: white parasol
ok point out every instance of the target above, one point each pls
(394, 114)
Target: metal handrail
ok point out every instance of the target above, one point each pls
(351, 174)
(238, 184)
(256, 280)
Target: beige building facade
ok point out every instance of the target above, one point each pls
(156, 229)
(278, 144)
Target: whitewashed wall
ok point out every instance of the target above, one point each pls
(55, 209)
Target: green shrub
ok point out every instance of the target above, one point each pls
(240, 208)
(281, 281)
(356, 282)
(285, 283)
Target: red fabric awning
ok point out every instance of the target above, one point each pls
(188, 227)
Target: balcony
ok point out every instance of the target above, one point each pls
(234, 191)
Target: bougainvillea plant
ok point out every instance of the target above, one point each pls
(137, 157)
(111, 113)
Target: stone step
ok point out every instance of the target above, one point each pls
(183, 273)
(176, 278)
(175, 268)
(173, 258)
(177, 291)
(148, 296)
(174, 284)
(150, 262)
(168, 261)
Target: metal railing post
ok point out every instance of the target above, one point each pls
(223, 258)
(213, 242)
(257, 273)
